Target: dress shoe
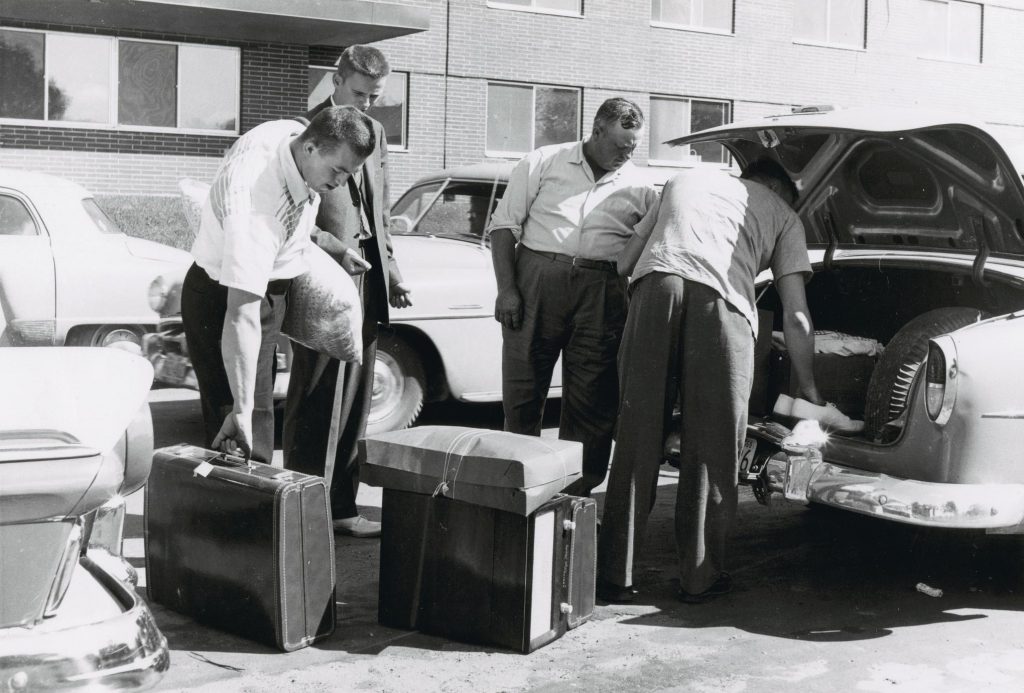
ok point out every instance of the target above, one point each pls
(827, 415)
(357, 526)
(723, 585)
(614, 594)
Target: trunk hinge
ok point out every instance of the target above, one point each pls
(978, 269)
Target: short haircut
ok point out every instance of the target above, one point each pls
(765, 167)
(338, 125)
(363, 60)
(621, 111)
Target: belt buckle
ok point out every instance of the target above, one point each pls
(573, 261)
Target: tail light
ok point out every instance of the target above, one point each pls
(940, 379)
(65, 570)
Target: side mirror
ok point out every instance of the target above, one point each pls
(401, 224)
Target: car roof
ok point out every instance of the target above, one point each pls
(489, 171)
(41, 185)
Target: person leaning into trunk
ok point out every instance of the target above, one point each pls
(253, 234)
(353, 227)
(568, 211)
(690, 335)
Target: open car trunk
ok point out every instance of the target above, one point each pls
(880, 298)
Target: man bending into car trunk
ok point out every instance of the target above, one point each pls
(690, 334)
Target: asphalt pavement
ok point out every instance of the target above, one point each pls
(823, 601)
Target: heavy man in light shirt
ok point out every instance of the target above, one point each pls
(253, 234)
(568, 211)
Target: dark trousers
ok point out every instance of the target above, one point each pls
(308, 410)
(203, 307)
(681, 338)
(577, 313)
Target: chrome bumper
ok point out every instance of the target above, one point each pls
(122, 653)
(954, 506)
(171, 366)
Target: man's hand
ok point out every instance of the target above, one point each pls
(352, 263)
(401, 296)
(235, 435)
(508, 309)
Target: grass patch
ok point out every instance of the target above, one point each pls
(160, 219)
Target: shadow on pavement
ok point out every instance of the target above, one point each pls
(824, 575)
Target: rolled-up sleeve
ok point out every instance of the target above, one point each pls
(514, 207)
(645, 226)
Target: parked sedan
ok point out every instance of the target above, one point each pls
(915, 226)
(447, 345)
(75, 439)
(68, 274)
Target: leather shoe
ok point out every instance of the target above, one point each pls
(723, 585)
(614, 594)
(357, 526)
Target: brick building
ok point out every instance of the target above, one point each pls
(479, 79)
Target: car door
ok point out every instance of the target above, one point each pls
(27, 282)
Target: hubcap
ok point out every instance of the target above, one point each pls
(388, 387)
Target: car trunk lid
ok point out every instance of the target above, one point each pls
(890, 179)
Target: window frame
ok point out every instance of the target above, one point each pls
(947, 58)
(404, 146)
(533, 9)
(674, 163)
(113, 125)
(509, 154)
(828, 28)
(661, 24)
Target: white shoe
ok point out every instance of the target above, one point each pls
(783, 406)
(828, 416)
(357, 526)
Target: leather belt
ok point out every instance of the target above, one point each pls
(603, 265)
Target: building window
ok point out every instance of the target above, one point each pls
(831, 22)
(568, 7)
(950, 30)
(522, 117)
(391, 109)
(706, 15)
(103, 81)
(672, 117)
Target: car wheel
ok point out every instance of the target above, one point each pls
(890, 382)
(398, 386)
(116, 336)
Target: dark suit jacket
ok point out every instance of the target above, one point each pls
(339, 218)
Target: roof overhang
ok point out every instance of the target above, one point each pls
(307, 22)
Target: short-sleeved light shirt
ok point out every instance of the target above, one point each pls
(256, 223)
(553, 204)
(721, 231)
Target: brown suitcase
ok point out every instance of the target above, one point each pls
(483, 575)
(247, 549)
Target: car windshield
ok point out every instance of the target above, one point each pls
(100, 220)
(451, 209)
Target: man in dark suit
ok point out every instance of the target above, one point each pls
(353, 227)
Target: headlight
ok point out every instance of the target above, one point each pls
(940, 379)
(158, 291)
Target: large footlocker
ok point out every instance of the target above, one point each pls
(478, 544)
(487, 576)
(246, 548)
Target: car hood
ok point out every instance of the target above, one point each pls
(891, 178)
(78, 396)
(151, 250)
